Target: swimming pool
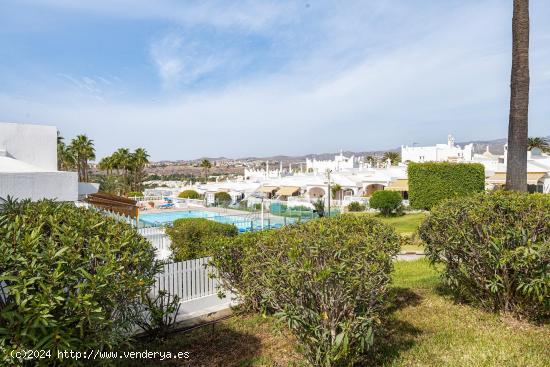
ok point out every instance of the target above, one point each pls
(243, 223)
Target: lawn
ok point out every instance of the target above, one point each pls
(426, 329)
(406, 224)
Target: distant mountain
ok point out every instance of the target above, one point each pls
(496, 146)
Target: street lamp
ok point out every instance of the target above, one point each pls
(328, 172)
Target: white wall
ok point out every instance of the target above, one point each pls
(33, 144)
(62, 186)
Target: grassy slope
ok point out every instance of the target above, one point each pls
(405, 224)
(426, 329)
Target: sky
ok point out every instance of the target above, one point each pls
(187, 79)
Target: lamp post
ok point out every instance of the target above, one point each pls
(329, 171)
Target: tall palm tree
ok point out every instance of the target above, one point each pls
(65, 160)
(83, 150)
(537, 142)
(516, 170)
(206, 165)
(139, 160)
(335, 191)
(394, 157)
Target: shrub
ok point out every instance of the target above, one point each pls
(356, 207)
(319, 208)
(133, 194)
(222, 198)
(496, 250)
(327, 279)
(72, 277)
(431, 182)
(387, 202)
(191, 237)
(189, 194)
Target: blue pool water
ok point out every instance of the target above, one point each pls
(244, 224)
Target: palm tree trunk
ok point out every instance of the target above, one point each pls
(516, 171)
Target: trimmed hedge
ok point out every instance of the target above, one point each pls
(192, 237)
(189, 194)
(496, 250)
(431, 182)
(327, 279)
(73, 278)
(387, 202)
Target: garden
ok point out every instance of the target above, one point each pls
(327, 292)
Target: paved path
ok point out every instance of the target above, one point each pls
(409, 256)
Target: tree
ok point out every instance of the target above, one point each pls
(138, 161)
(537, 142)
(371, 160)
(387, 202)
(335, 190)
(82, 148)
(65, 159)
(516, 170)
(394, 157)
(206, 165)
(319, 208)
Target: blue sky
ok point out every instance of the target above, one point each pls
(186, 79)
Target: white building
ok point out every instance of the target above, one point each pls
(449, 152)
(28, 164)
(340, 163)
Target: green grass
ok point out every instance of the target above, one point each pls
(405, 224)
(426, 328)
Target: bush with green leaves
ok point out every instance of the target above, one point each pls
(431, 182)
(222, 198)
(495, 249)
(192, 237)
(327, 279)
(189, 194)
(388, 202)
(356, 206)
(134, 194)
(71, 277)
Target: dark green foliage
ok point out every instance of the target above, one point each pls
(157, 315)
(319, 206)
(189, 194)
(387, 202)
(431, 182)
(356, 207)
(327, 279)
(192, 237)
(496, 250)
(72, 275)
(222, 198)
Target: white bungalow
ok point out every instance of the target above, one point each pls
(28, 164)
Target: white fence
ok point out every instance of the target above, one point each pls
(158, 238)
(188, 279)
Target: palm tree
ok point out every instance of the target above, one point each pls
(82, 148)
(541, 143)
(65, 159)
(335, 190)
(394, 157)
(139, 160)
(516, 170)
(206, 165)
(371, 160)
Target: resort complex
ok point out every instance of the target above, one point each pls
(268, 184)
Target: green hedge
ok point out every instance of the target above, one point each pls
(222, 198)
(189, 194)
(496, 250)
(431, 182)
(191, 237)
(73, 277)
(327, 279)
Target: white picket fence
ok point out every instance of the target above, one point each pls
(159, 239)
(187, 279)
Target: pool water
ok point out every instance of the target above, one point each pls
(242, 223)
